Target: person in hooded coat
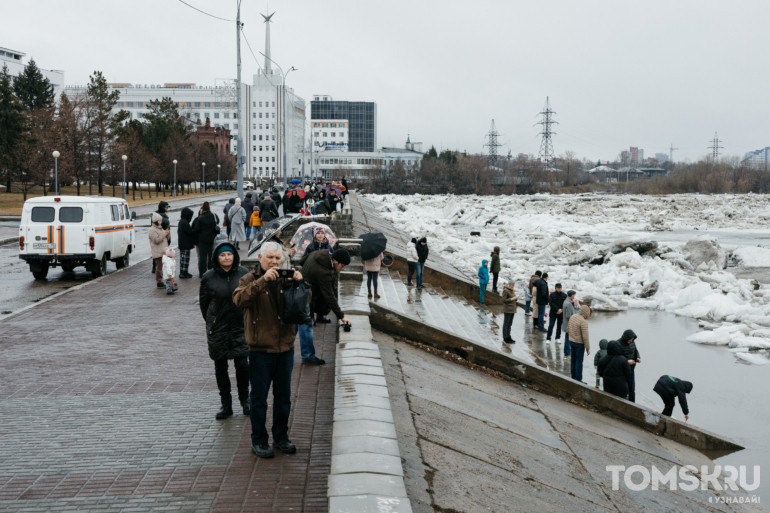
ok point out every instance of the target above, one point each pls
(322, 205)
(206, 228)
(236, 222)
(422, 257)
(601, 353)
(248, 206)
(615, 371)
(268, 210)
(227, 208)
(224, 325)
(187, 241)
(494, 267)
(628, 344)
(411, 259)
(483, 275)
(669, 388)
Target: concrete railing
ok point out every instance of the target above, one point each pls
(552, 383)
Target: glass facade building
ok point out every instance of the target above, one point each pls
(361, 117)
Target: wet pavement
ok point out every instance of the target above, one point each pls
(21, 290)
(107, 403)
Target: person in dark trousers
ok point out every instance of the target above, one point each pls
(224, 326)
(271, 349)
(628, 343)
(601, 353)
(615, 371)
(344, 183)
(669, 388)
(248, 207)
(579, 341)
(533, 293)
(206, 228)
(187, 241)
(509, 310)
(556, 302)
(541, 287)
(422, 257)
(227, 208)
(333, 200)
(494, 267)
(569, 308)
(411, 260)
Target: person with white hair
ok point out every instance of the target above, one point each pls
(271, 348)
(236, 220)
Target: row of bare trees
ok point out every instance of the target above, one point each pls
(91, 139)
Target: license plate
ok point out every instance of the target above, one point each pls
(43, 245)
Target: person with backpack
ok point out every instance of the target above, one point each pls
(206, 227)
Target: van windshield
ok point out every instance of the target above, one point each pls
(70, 214)
(43, 214)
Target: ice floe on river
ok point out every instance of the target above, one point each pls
(617, 251)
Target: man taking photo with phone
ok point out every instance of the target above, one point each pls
(320, 269)
(271, 348)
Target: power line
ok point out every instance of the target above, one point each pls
(492, 144)
(546, 146)
(204, 12)
(715, 147)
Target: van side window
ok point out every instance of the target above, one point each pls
(71, 214)
(115, 216)
(43, 214)
(125, 208)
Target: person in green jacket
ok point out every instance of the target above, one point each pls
(494, 267)
(599, 355)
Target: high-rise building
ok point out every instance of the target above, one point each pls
(14, 60)
(361, 118)
(758, 158)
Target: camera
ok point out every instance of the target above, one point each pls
(346, 326)
(286, 273)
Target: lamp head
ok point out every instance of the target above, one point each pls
(56, 154)
(124, 157)
(175, 162)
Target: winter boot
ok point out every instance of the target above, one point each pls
(227, 408)
(369, 292)
(243, 397)
(170, 289)
(376, 296)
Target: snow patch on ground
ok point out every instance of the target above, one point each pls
(558, 234)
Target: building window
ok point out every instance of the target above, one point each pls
(260, 137)
(274, 138)
(315, 134)
(273, 115)
(260, 126)
(227, 115)
(273, 104)
(334, 134)
(326, 134)
(273, 159)
(260, 148)
(273, 148)
(207, 104)
(260, 104)
(235, 127)
(254, 137)
(255, 148)
(216, 115)
(197, 105)
(260, 115)
(260, 159)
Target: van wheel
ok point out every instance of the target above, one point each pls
(40, 271)
(68, 268)
(101, 268)
(122, 262)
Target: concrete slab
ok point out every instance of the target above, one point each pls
(366, 462)
(369, 504)
(363, 427)
(356, 344)
(365, 443)
(353, 399)
(344, 360)
(361, 379)
(347, 370)
(363, 413)
(367, 353)
(344, 390)
(363, 483)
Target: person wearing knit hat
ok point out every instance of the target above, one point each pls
(341, 256)
(158, 244)
(169, 270)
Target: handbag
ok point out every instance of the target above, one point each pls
(296, 304)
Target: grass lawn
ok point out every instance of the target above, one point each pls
(11, 202)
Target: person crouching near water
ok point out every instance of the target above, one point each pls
(483, 280)
(224, 325)
(669, 388)
(509, 310)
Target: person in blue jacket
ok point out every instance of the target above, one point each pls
(483, 279)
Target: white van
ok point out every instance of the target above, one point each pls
(70, 231)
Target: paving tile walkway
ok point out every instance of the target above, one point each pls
(107, 403)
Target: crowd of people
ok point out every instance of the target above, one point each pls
(615, 362)
(245, 310)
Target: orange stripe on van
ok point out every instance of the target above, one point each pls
(61, 238)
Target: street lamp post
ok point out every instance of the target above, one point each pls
(175, 161)
(124, 157)
(56, 155)
(204, 177)
(219, 169)
(283, 123)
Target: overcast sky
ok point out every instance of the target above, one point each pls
(618, 73)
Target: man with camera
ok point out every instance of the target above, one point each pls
(320, 269)
(271, 347)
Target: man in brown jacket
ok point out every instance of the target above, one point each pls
(578, 339)
(509, 310)
(271, 349)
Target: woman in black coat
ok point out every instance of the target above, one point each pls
(188, 239)
(224, 325)
(206, 228)
(615, 370)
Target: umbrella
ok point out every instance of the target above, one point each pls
(282, 223)
(336, 187)
(373, 244)
(295, 181)
(306, 233)
(300, 192)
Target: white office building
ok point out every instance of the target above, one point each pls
(15, 62)
(356, 164)
(330, 134)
